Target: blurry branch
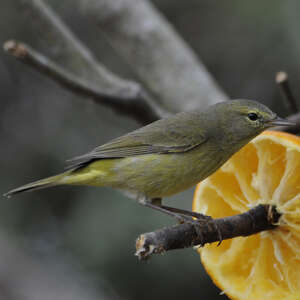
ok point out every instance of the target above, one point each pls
(283, 83)
(131, 100)
(160, 58)
(79, 70)
(257, 219)
(162, 61)
(43, 64)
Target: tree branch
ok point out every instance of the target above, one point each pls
(132, 100)
(78, 69)
(283, 83)
(160, 58)
(257, 219)
(164, 63)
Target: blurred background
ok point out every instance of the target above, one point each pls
(79, 242)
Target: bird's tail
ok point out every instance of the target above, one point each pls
(40, 184)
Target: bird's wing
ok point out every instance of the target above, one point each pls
(179, 133)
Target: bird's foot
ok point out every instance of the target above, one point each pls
(184, 216)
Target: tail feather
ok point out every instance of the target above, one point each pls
(36, 185)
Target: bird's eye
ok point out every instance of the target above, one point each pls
(253, 116)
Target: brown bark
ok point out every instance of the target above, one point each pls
(257, 219)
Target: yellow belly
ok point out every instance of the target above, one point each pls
(151, 175)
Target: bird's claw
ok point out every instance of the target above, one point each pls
(202, 219)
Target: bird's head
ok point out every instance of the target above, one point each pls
(242, 120)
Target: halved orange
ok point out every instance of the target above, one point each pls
(265, 265)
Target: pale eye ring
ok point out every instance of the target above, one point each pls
(252, 116)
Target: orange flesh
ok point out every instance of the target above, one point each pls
(265, 265)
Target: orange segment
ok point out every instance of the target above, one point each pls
(265, 265)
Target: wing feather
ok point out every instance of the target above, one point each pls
(172, 135)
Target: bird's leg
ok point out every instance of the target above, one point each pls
(158, 202)
(155, 203)
(181, 214)
(198, 216)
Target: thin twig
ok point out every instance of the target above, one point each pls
(283, 83)
(132, 100)
(31, 57)
(257, 219)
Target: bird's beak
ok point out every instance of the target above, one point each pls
(279, 122)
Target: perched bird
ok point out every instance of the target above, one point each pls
(169, 155)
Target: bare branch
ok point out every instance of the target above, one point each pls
(290, 100)
(283, 83)
(79, 70)
(160, 58)
(257, 219)
(43, 64)
(131, 100)
(60, 43)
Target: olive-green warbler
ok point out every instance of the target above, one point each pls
(169, 155)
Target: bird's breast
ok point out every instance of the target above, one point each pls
(161, 175)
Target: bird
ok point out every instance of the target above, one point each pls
(169, 155)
